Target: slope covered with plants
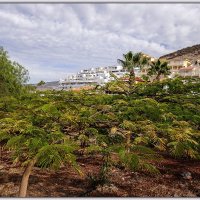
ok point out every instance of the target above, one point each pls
(129, 128)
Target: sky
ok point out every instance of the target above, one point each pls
(53, 40)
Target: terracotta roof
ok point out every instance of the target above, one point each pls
(83, 88)
(139, 79)
(136, 79)
(187, 68)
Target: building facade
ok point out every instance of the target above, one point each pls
(92, 76)
(102, 75)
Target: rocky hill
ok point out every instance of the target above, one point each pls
(191, 53)
(53, 85)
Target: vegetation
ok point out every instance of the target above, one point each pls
(132, 61)
(159, 68)
(50, 128)
(13, 76)
(41, 83)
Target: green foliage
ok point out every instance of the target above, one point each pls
(137, 158)
(41, 83)
(182, 141)
(53, 126)
(103, 175)
(55, 155)
(159, 68)
(129, 129)
(12, 75)
(132, 61)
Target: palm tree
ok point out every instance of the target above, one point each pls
(132, 61)
(159, 68)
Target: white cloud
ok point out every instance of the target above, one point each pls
(53, 39)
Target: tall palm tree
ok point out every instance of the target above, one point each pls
(132, 61)
(159, 68)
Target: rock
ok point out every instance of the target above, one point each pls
(1, 167)
(168, 176)
(186, 175)
(176, 195)
(124, 195)
(107, 188)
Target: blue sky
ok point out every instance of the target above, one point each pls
(52, 40)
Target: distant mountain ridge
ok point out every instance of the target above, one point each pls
(50, 83)
(191, 53)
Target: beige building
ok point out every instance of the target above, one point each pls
(178, 64)
(179, 67)
(145, 69)
(191, 71)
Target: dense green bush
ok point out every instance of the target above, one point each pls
(52, 124)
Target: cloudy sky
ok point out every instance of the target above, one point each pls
(52, 40)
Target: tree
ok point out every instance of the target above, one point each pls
(41, 83)
(13, 76)
(132, 61)
(159, 68)
(43, 128)
(32, 143)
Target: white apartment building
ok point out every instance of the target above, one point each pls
(102, 75)
(99, 75)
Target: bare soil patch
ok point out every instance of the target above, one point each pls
(178, 178)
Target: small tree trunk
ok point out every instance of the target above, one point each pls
(131, 78)
(128, 142)
(158, 77)
(25, 178)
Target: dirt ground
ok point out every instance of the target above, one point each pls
(178, 178)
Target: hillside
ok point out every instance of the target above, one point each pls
(192, 53)
(49, 85)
